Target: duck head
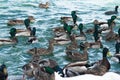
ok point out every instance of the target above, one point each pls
(27, 23)
(116, 8)
(80, 27)
(3, 72)
(105, 52)
(110, 21)
(13, 32)
(33, 31)
(31, 18)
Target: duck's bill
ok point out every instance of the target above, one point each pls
(109, 54)
(118, 17)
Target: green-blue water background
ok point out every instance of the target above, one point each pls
(15, 56)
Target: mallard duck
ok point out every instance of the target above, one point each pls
(74, 17)
(102, 66)
(77, 56)
(12, 39)
(33, 38)
(44, 5)
(19, 22)
(43, 51)
(97, 68)
(116, 56)
(112, 12)
(3, 72)
(97, 43)
(82, 35)
(28, 31)
(104, 26)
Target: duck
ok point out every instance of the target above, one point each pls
(111, 36)
(43, 51)
(82, 35)
(104, 26)
(116, 56)
(96, 68)
(67, 40)
(27, 31)
(97, 43)
(112, 12)
(19, 22)
(12, 40)
(73, 45)
(33, 38)
(44, 5)
(74, 55)
(102, 66)
(3, 72)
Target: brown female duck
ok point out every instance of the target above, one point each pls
(46, 5)
(44, 51)
(19, 22)
(77, 56)
(112, 36)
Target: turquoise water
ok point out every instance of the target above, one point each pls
(15, 56)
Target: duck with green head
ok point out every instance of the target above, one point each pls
(3, 72)
(102, 66)
(82, 35)
(12, 39)
(80, 68)
(33, 38)
(25, 32)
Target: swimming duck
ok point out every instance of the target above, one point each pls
(102, 66)
(112, 36)
(12, 39)
(116, 56)
(104, 26)
(19, 22)
(44, 5)
(97, 68)
(3, 72)
(97, 43)
(112, 12)
(82, 35)
(43, 51)
(27, 31)
(33, 38)
(77, 56)
(62, 41)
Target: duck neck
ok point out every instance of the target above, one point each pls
(50, 48)
(116, 9)
(117, 47)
